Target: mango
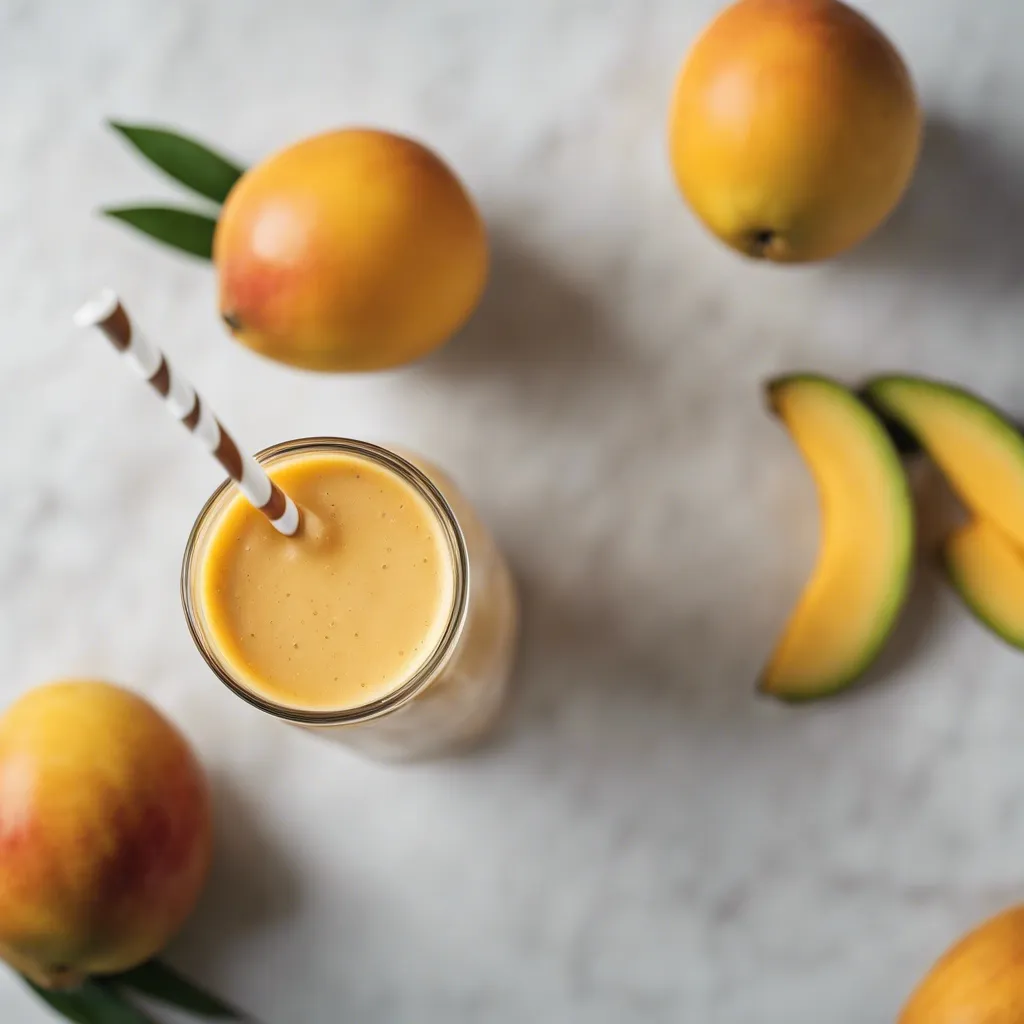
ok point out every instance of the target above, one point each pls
(861, 579)
(979, 450)
(981, 453)
(987, 571)
(352, 250)
(105, 832)
(794, 128)
(980, 980)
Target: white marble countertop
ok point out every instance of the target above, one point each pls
(646, 840)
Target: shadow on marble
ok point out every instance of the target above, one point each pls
(588, 659)
(533, 323)
(937, 508)
(961, 218)
(251, 885)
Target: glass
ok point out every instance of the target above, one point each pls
(453, 700)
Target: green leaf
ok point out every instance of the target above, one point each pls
(189, 162)
(67, 1004)
(181, 229)
(92, 1004)
(160, 981)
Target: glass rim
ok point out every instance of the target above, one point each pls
(425, 673)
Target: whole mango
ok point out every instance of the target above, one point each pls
(795, 128)
(352, 250)
(980, 980)
(105, 832)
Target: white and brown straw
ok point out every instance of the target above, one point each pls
(181, 399)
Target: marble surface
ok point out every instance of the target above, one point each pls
(646, 840)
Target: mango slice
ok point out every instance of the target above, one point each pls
(987, 571)
(980, 452)
(854, 596)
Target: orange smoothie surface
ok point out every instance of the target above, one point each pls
(346, 611)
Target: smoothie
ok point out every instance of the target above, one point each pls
(387, 622)
(342, 613)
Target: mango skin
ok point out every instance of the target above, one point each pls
(353, 250)
(105, 832)
(795, 128)
(980, 980)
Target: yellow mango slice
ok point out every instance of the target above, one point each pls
(980, 452)
(851, 602)
(987, 571)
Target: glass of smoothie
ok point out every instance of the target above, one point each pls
(387, 622)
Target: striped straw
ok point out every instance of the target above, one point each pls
(181, 399)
